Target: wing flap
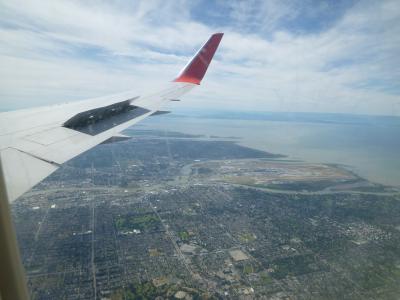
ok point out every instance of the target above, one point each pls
(73, 145)
(50, 136)
(22, 171)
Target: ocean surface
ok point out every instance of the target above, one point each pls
(369, 146)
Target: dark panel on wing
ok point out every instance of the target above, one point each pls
(160, 112)
(116, 139)
(100, 119)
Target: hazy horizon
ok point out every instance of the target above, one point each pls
(370, 147)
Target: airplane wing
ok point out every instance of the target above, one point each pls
(35, 142)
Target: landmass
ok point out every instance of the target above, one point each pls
(173, 216)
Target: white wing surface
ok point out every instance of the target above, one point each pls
(35, 142)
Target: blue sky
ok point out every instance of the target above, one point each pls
(314, 56)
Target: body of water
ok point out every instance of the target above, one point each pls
(370, 147)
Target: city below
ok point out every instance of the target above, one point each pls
(167, 215)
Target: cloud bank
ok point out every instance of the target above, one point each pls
(316, 56)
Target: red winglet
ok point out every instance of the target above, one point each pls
(197, 67)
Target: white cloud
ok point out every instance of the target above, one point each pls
(54, 51)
